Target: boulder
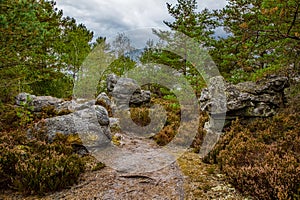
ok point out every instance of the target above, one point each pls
(126, 91)
(225, 102)
(247, 99)
(103, 99)
(92, 125)
(36, 103)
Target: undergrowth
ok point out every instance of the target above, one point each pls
(262, 158)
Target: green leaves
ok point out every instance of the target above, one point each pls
(37, 44)
(262, 34)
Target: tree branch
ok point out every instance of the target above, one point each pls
(294, 20)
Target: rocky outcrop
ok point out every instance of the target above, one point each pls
(92, 125)
(38, 103)
(225, 102)
(249, 99)
(91, 122)
(126, 91)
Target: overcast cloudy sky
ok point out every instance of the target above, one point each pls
(109, 17)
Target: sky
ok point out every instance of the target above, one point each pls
(107, 18)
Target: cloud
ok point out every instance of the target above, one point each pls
(108, 17)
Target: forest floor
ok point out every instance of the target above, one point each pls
(143, 171)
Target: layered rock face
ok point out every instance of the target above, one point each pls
(225, 102)
(249, 99)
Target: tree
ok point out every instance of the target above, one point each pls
(37, 45)
(261, 34)
(74, 46)
(121, 45)
(29, 30)
(187, 24)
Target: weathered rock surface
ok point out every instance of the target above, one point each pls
(37, 102)
(225, 102)
(89, 121)
(126, 91)
(103, 99)
(249, 99)
(91, 124)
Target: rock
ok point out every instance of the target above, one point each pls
(102, 115)
(111, 81)
(225, 102)
(72, 106)
(91, 124)
(103, 99)
(114, 123)
(140, 97)
(126, 91)
(248, 99)
(36, 103)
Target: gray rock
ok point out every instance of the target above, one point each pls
(247, 99)
(225, 102)
(103, 99)
(111, 81)
(126, 91)
(72, 106)
(102, 115)
(114, 123)
(36, 103)
(88, 123)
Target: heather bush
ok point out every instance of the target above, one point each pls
(168, 132)
(262, 158)
(36, 166)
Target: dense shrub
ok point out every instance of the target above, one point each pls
(262, 158)
(172, 124)
(35, 166)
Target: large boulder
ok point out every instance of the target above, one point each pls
(91, 124)
(225, 102)
(126, 91)
(249, 99)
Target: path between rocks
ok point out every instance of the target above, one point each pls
(142, 170)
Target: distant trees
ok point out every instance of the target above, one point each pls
(181, 50)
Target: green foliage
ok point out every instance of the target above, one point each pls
(38, 47)
(261, 35)
(61, 86)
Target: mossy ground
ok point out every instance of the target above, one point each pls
(204, 181)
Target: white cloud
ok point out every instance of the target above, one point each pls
(108, 17)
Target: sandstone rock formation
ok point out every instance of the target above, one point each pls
(225, 102)
(91, 122)
(126, 91)
(249, 99)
